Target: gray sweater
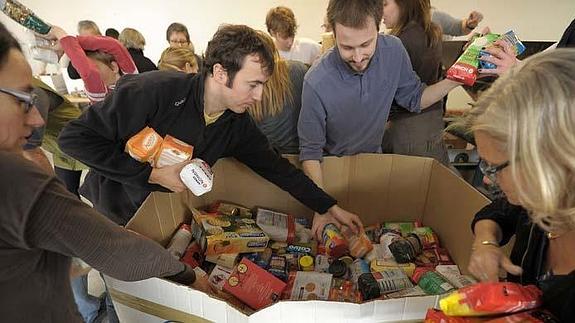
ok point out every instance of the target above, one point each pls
(281, 129)
(41, 226)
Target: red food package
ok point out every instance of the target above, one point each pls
(437, 316)
(491, 298)
(193, 255)
(254, 285)
(533, 316)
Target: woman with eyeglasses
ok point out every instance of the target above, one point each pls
(42, 225)
(524, 130)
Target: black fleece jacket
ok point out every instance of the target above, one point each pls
(170, 103)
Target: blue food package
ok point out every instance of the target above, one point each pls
(511, 38)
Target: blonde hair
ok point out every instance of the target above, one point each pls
(277, 90)
(175, 59)
(131, 38)
(530, 112)
(89, 25)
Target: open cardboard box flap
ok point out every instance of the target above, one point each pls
(379, 188)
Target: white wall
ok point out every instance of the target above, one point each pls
(531, 19)
(152, 17)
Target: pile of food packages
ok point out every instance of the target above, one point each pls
(261, 256)
(256, 257)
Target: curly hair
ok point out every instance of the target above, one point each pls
(230, 46)
(281, 20)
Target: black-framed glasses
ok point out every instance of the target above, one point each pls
(491, 170)
(27, 99)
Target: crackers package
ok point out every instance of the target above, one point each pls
(218, 234)
(144, 145)
(311, 286)
(172, 151)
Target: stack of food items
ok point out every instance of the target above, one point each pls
(261, 256)
(465, 69)
(147, 146)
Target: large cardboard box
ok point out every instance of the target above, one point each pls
(377, 187)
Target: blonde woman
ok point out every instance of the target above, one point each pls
(180, 59)
(277, 113)
(135, 42)
(523, 128)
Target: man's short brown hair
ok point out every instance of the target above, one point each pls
(177, 27)
(354, 13)
(231, 45)
(281, 20)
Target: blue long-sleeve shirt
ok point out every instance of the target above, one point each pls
(344, 112)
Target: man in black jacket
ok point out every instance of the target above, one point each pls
(206, 111)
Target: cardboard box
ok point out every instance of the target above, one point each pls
(379, 188)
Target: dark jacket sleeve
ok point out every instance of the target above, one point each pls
(506, 215)
(255, 151)
(99, 136)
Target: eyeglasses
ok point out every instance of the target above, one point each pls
(27, 99)
(491, 170)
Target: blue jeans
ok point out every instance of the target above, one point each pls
(88, 305)
(110, 310)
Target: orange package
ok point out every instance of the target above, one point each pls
(144, 145)
(172, 151)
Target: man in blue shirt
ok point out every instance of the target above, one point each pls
(347, 95)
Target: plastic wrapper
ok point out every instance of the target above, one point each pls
(464, 70)
(532, 316)
(172, 151)
(491, 298)
(144, 145)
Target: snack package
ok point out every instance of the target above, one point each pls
(227, 260)
(278, 267)
(278, 226)
(172, 151)
(491, 298)
(511, 38)
(311, 286)
(465, 68)
(533, 316)
(219, 276)
(385, 264)
(220, 234)
(193, 255)
(454, 276)
(144, 145)
(254, 285)
(359, 244)
(405, 228)
(344, 291)
(225, 208)
(427, 237)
